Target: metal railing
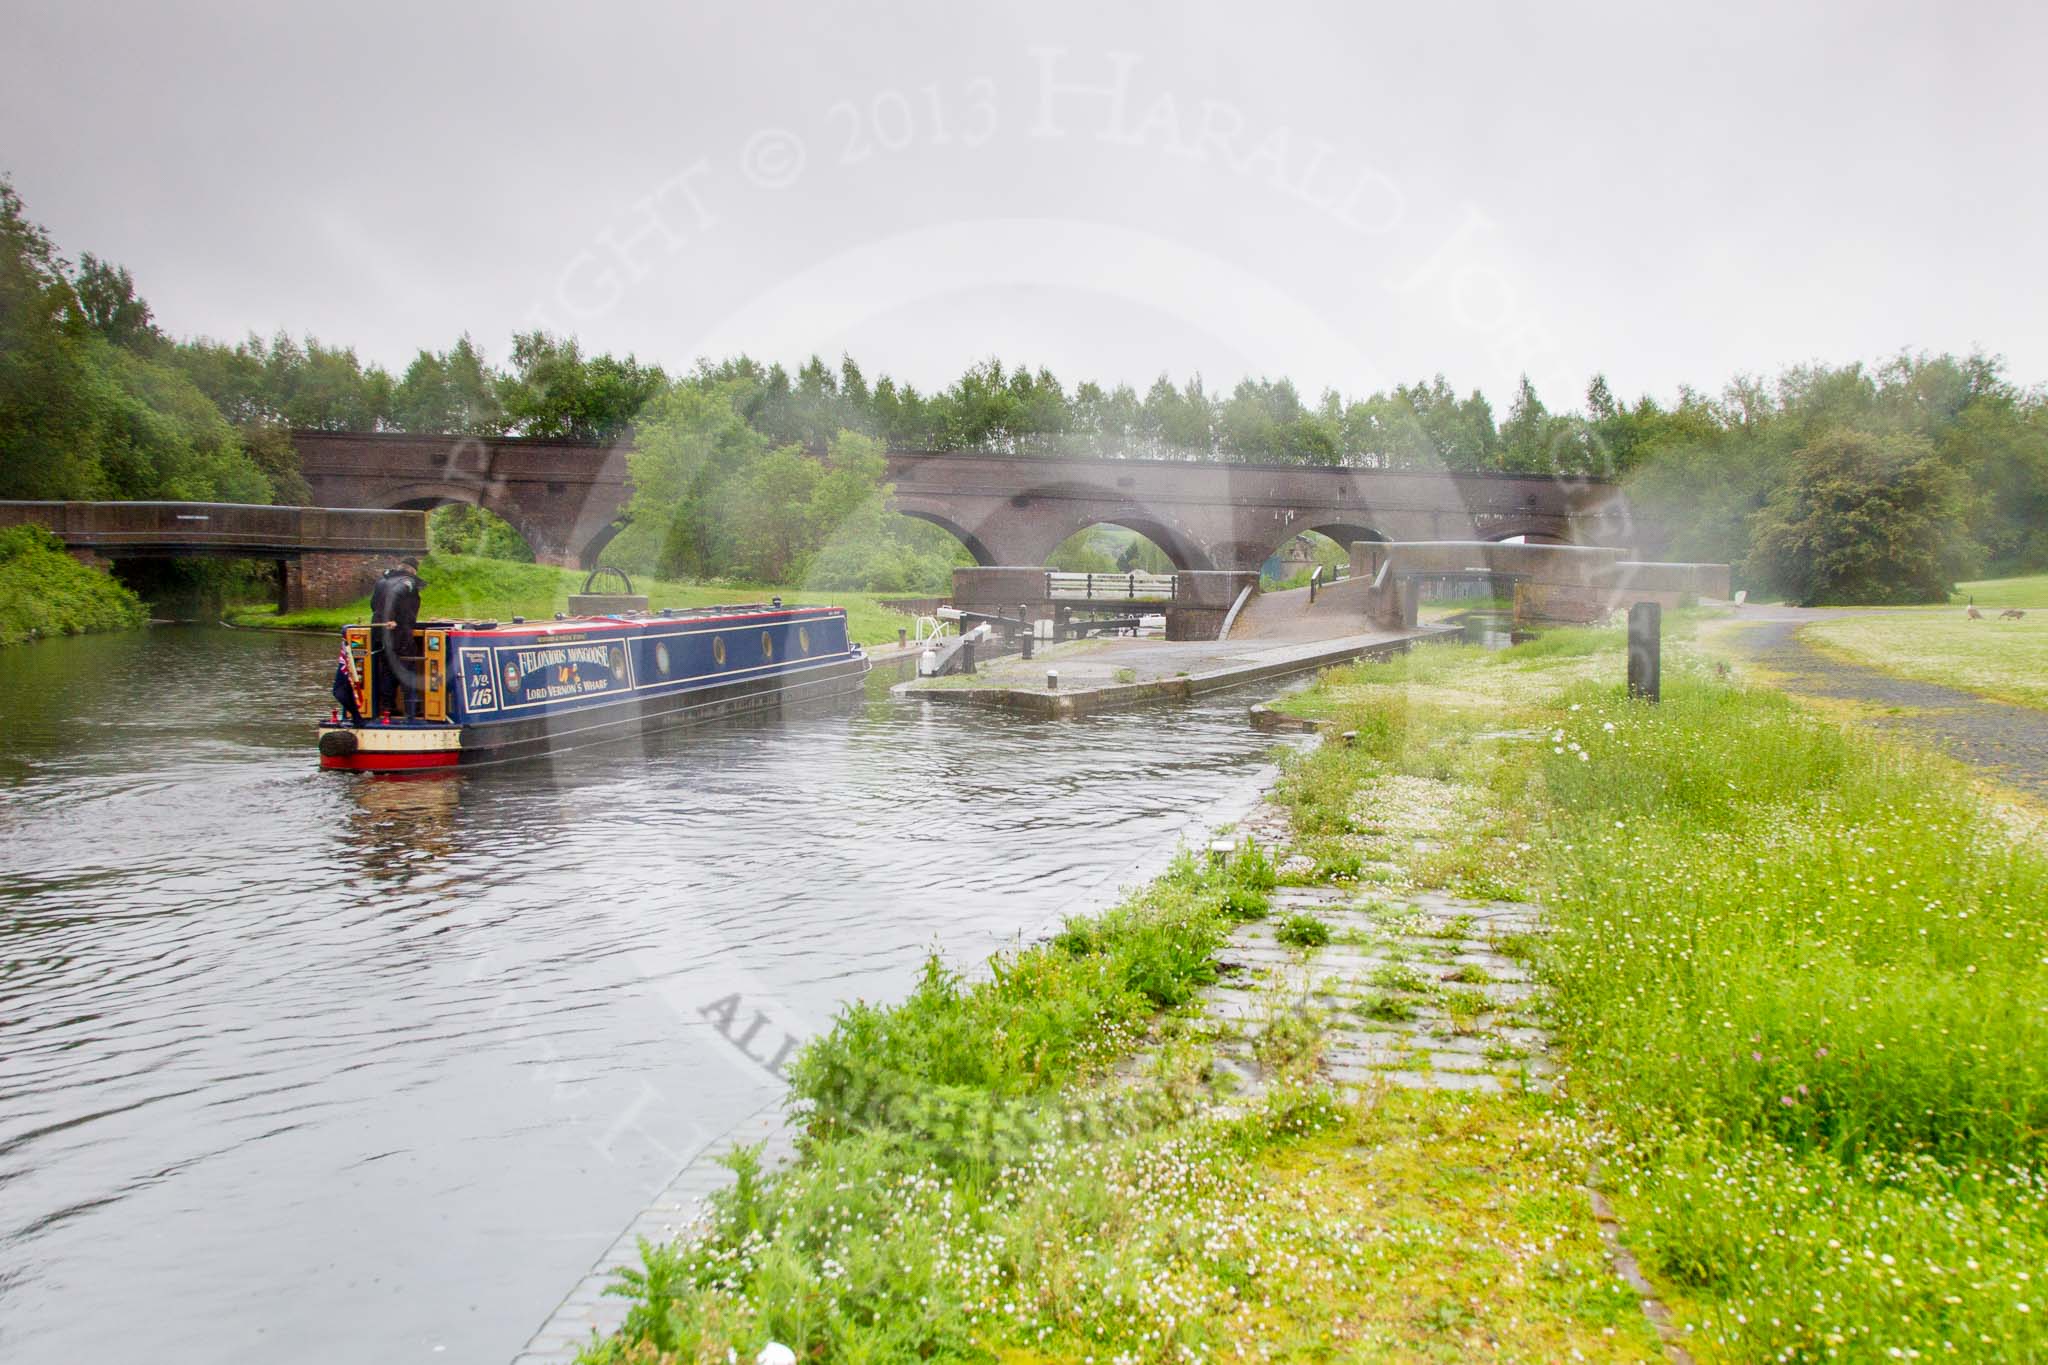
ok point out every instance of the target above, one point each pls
(1110, 587)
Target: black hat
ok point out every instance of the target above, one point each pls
(410, 562)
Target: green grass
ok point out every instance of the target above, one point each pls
(2005, 660)
(468, 587)
(1046, 1015)
(1388, 1008)
(2029, 591)
(1799, 973)
(1816, 960)
(44, 591)
(1419, 1228)
(1778, 927)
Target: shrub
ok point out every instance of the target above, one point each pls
(44, 591)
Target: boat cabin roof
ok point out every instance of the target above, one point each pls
(740, 611)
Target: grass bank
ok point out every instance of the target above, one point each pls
(475, 587)
(987, 1176)
(2004, 660)
(1800, 974)
(44, 591)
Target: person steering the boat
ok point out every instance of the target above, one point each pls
(394, 612)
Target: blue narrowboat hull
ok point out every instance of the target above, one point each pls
(499, 693)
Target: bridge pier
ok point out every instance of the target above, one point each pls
(310, 582)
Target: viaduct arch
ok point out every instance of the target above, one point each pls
(566, 498)
(1012, 510)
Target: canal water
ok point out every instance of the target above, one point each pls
(1489, 629)
(305, 1066)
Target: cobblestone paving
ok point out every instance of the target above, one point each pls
(1417, 992)
(1415, 988)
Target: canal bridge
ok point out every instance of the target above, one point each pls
(567, 497)
(564, 497)
(325, 555)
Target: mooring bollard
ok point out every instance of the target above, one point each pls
(1052, 680)
(902, 637)
(1645, 662)
(967, 656)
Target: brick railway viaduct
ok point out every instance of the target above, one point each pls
(565, 497)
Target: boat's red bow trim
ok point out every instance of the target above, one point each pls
(390, 763)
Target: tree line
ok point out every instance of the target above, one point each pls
(1840, 483)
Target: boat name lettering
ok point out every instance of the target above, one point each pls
(531, 659)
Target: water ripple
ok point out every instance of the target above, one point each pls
(278, 1045)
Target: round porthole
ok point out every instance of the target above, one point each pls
(718, 650)
(803, 639)
(661, 657)
(767, 645)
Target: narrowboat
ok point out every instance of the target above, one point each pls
(492, 691)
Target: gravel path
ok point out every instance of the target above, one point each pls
(2007, 743)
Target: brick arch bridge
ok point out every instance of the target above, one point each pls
(565, 498)
(1010, 510)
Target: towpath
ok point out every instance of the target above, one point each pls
(2007, 743)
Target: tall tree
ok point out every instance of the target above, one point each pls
(84, 417)
(554, 391)
(111, 307)
(688, 442)
(1863, 519)
(50, 414)
(454, 392)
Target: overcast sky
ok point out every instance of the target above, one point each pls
(1350, 194)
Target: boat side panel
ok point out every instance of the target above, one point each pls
(499, 741)
(506, 677)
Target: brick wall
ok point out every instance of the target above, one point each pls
(1194, 623)
(313, 581)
